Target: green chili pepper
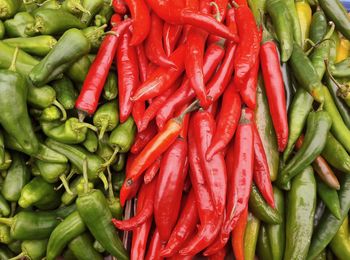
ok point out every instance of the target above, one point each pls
(341, 69)
(263, 245)
(258, 8)
(121, 162)
(335, 41)
(95, 36)
(82, 248)
(343, 109)
(306, 74)
(276, 232)
(53, 21)
(91, 141)
(8, 8)
(340, 243)
(66, 93)
(67, 198)
(50, 113)
(339, 129)
(266, 130)
(2, 30)
(318, 125)
(329, 224)
(104, 149)
(48, 4)
(79, 69)
(98, 247)
(251, 236)
(5, 234)
(68, 255)
(259, 207)
(319, 212)
(336, 12)
(38, 45)
(110, 89)
(7, 162)
(330, 197)
(4, 207)
(16, 27)
(67, 230)
(104, 15)
(70, 47)
(106, 118)
(40, 194)
(93, 209)
(32, 249)
(294, 21)
(17, 177)
(117, 180)
(5, 253)
(73, 6)
(299, 110)
(30, 225)
(93, 7)
(318, 27)
(283, 24)
(15, 246)
(113, 202)
(77, 155)
(2, 148)
(301, 205)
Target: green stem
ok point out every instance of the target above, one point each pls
(14, 59)
(65, 184)
(20, 256)
(111, 159)
(103, 178)
(7, 221)
(110, 186)
(85, 175)
(189, 109)
(61, 108)
(217, 15)
(81, 115)
(103, 129)
(87, 125)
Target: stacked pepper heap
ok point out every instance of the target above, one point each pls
(219, 127)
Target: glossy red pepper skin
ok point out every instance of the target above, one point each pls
(210, 221)
(215, 175)
(128, 75)
(119, 6)
(142, 138)
(227, 121)
(115, 19)
(90, 93)
(171, 36)
(261, 174)
(220, 255)
(238, 235)
(185, 93)
(155, 247)
(186, 120)
(270, 65)
(147, 195)
(243, 166)
(170, 185)
(248, 91)
(222, 5)
(141, 20)
(184, 227)
(154, 45)
(162, 78)
(248, 48)
(152, 171)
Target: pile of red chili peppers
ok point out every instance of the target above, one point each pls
(187, 73)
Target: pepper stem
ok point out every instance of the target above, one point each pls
(85, 175)
(103, 129)
(81, 115)
(81, 8)
(340, 87)
(87, 125)
(110, 186)
(103, 178)
(65, 184)
(20, 256)
(7, 221)
(61, 108)
(189, 109)
(14, 59)
(217, 15)
(111, 159)
(234, 4)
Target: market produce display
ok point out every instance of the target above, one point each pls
(148, 129)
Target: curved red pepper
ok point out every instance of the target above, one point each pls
(141, 20)
(185, 93)
(248, 90)
(270, 65)
(119, 6)
(162, 78)
(155, 247)
(90, 93)
(185, 226)
(248, 48)
(154, 46)
(142, 138)
(170, 185)
(128, 75)
(115, 19)
(152, 170)
(203, 125)
(143, 62)
(220, 255)
(174, 12)
(238, 235)
(147, 195)
(227, 121)
(171, 35)
(261, 173)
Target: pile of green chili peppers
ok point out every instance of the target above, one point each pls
(57, 191)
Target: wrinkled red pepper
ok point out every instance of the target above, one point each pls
(142, 138)
(152, 170)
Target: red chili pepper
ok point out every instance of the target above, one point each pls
(185, 93)
(184, 227)
(147, 195)
(181, 257)
(142, 138)
(143, 62)
(186, 120)
(221, 78)
(220, 255)
(248, 90)
(188, 185)
(215, 175)
(174, 12)
(115, 19)
(185, 31)
(152, 170)
(119, 6)
(90, 93)
(227, 121)
(270, 65)
(238, 235)
(241, 180)
(157, 103)
(210, 221)
(128, 75)
(261, 173)
(170, 185)
(128, 192)
(155, 247)
(249, 45)
(221, 6)
(141, 20)
(162, 78)
(171, 35)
